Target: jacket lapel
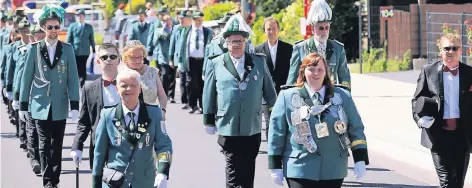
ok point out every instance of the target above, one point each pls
(248, 65)
(329, 50)
(269, 62)
(119, 122)
(230, 66)
(463, 86)
(58, 54)
(143, 120)
(440, 80)
(81, 30)
(98, 89)
(306, 97)
(44, 53)
(205, 35)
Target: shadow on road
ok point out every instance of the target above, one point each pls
(262, 152)
(73, 172)
(360, 184)
(7, 135)
(70, 159)
(70, 147)
(373, 169)
(69, 134)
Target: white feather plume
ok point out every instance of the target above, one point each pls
(36, 16)
(242, 24)
(319, 11)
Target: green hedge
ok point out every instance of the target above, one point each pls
(377, 61)
(218, 10)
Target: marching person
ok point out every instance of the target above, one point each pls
(3, 41)
(333, 51)
(311, 128)
(441, 108)
(277, 57)
(139, 30)
(159, 46)
(15, 62)
(80, 36)
(175, 47)
(95, 96)
(194, 40)
(235, 85)
(126, 136)
(51, 82)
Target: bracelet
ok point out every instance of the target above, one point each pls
(164, 110)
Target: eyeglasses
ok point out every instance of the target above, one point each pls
(321, 28)
(136, 58)
(235, 42)
(449, 48)
(50, 27)
(106, 57)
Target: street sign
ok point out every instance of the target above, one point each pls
(386, 12)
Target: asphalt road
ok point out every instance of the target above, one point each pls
(197, 161)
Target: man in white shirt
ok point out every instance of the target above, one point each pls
(96, 95)
(446, 87)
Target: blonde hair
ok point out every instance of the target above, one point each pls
(453, 37)
(126, 74)
(131, 46)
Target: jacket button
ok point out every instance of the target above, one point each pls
(131, 173)
(242, 99)
(319, 153)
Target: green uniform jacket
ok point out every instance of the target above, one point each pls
(20, 66)
(238, 112)
(182, 53)
(139, 33)
(174, 45)
(81, 39)
(335, 55)
(10, 67)
(329, 161)
(50, 84)
(113, 149)
(5, 54)
(159, 44)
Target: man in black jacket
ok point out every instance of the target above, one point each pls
(278, 54)
(442, 108)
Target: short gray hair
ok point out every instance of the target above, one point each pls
(127, 73)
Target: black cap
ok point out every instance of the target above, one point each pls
(141, 11)
(19, 12)
(426, 106)
(81, 12)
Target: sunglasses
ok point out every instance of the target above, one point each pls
(453, 48)
(106, 57)
(50, 27)
(235, 42)
(321, 28)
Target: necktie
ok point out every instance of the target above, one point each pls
(453, 72)
(196, 39)
(106, 83)
(321, 50)
(317, 97)
(131, 124)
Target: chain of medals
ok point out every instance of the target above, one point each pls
(301, 115)
(243, 84)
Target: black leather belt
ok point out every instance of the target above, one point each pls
(196, 58)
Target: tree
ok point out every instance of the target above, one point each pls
(345, 27)
(270, 7)
(218, 10)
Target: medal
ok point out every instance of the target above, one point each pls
(140, 145)
(322, 130)
(141, 129)
(147, 139)
(303, 112)
(296, 100)
(255, 77)
(117, 123)
(342, 114)
(340, 127)
(138, 136)
(242, 86)
(118, 140)
(295, 117)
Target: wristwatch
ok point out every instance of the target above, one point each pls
(164, 110)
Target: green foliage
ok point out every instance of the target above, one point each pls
(173, 4)
(270, 7)
(98, 38)
(344, 26)
(218, 10)
(377, 61)
(289, 20)
(133, 7)
(110, 8)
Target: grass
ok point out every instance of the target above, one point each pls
(354, 67)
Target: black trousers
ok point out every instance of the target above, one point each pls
(32, 141)
(82, 68)
(168, 80)
(183, 88)
(16, 122)
(5, 99)
(265, 110)
(50, 137)
(195, 82)
(451, 159)
(21, 128)
(240, 154)
(306, 183)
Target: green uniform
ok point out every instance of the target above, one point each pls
(11, 64)
(139, 32)
(50, 84)
(81, 38)
(113, 146)
(335, 55)
(20, 66)
(237, 110)
(159, 43)
(182, 53)
(174, 45)
(329, 160)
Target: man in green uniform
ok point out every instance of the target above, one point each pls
(3, 29)
(49, 86)
(139, 29)
(333, 51)
(80, 36)
(235, 85)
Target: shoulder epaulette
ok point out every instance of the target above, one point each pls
(343, 86)
(214, 56)
(260, 54)
(111, 106)
(284, 87)
(340, 43)
(296, 42)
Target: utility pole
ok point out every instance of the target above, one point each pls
(243, 9)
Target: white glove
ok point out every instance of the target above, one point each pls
(426, 122)
(211, 130)
(4, 92)
(160, 181)
(359, 170)
(23, 115)
(76, 156)
(2, 82)
(74, 114)
(149, 58)
(9, 95)
(277, 176)
(15, 105)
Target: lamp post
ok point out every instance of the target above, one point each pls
(359, 12)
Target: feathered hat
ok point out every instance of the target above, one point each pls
(236, 26)
(51, 11)
(320, 11)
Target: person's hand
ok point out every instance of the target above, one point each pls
(359, 170)
(426, 122)
(15, 105)
(76, 156)
(74, 115)
(160, 181)
(277, 176)
(211, 130)
(171, 64)
(23, 115)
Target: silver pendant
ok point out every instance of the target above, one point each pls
(140, 145)
(340, 127)
(304, 114)
(242, 86)
(147, 139)
(255, 77)
(295, 117)
(118, 140)
(296, 100)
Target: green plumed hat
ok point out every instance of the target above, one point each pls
(235, 27)
(24, 23)
(52, 11)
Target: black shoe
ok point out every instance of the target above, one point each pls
(37, 169)
(200, 111)
(193, 110)
(172, 100)
(49, 185)
(17, 135)
(23, 146)
(186, 106)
